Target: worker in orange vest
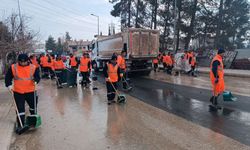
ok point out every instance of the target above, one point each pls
(217, 76)
(73, 62)
(122, 64)
(59, 67)
(33, 60)
(164, 62)
(112, 73)
(193, 63)
(85, 68)
(169, 63)
(45, 60)
(25, 76)
(43, 63)
(155, 63)
(51, 62)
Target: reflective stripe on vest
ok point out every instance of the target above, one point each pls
(23, 78)
(16, 77)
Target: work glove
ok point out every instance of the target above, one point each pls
(10, 88)
(216, 80)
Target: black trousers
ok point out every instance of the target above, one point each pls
(192, 70)
(155, 67)
(169, 69)
(85, 78)
(52, 73)
(110, 90)
(59, 75)
(20, 102)
(124, 78)
(45, 72)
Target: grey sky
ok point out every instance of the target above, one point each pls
(55, 17)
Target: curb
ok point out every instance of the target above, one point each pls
(228, 73)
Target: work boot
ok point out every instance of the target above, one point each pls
(109, 102)
(211, 99)
(215, 101)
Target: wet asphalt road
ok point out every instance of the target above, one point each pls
(77, 118)
(192, 104)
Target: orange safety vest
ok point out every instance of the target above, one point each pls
(34, 62)
(59, 65)
(23, 78)
(193, 61)
(84, 64)
(45, 61)
(112, 72)
(219, 87)
(51, 64)
(73, 61)
(121, 62)
(168, 60)
(155, 61)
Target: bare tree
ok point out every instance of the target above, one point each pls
(15, 37)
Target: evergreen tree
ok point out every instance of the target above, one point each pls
(50, 44)
(68, 38)
(59, 46)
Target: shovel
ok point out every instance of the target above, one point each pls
(34, 120)
(121, 98)
(23, 128)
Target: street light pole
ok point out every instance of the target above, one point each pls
(97, 22)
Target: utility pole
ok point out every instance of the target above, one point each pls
(20, 17)
(174, 40)
(97, 22)
(21, 28)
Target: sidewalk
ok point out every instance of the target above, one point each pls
(7, 117)
(228, 72)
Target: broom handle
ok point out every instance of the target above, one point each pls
(35, 102)
(19, 119)
(125, 81)
(114, 87)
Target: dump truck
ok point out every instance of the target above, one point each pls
(142, 45)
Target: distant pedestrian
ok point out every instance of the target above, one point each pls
(155, 64)
(85, 68)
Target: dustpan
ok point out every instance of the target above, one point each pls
(121, 98)
(227, 96)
